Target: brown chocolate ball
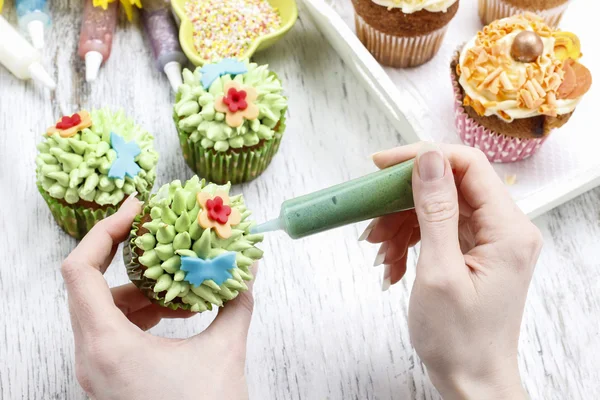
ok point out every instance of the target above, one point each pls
(527, 47)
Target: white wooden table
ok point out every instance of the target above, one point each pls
(322, 328)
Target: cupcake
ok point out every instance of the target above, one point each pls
(514, 83)
(403, 33)
(192, 248)
(88, 163)
(550, 10)
(230, 117)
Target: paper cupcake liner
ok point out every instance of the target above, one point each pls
(399, 51)
(498, 148)
(235, 166)
(491, 10)
(135, 270)
(74, 220)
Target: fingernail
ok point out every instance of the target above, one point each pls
(367, 231)
(430, 160)
(133, 197)
(376, 154)
(386, 282)
(381, 254)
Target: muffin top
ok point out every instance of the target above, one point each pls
(194, 245)
(411, 6)
(100, 157)
(518, 67)
(230, 105)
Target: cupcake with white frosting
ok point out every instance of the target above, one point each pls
(550, 10)
(403, 33)
(515, 82)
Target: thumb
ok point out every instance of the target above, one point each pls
(234, 318)
(436, 205)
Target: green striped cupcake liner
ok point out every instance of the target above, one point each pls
(135, 270)
(75, 220)
(233, 167)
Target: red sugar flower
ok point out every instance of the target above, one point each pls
(69, 126)
(235, 100)
(217, 211)
(217, 214)
(237, 104)
(67, 122)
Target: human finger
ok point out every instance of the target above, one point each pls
(393, 273)
(89, 294)
(436, 205)
(415, 237)
(398, 269)
(398, 245)
(149, 316)
(236, 315)
(387, 227)
(474, 176)
(129, 299)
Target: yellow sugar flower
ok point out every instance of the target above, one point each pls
(127, 5)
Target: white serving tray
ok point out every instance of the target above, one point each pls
(419, 102)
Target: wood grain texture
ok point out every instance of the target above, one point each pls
(322, 328)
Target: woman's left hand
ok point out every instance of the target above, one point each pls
(116, 359)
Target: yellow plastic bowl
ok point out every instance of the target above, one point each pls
(288, 10)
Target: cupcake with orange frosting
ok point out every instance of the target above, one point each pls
(515, 82)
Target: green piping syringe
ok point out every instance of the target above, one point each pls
(380, 193)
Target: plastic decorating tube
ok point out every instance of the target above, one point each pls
(380, 193)
(20, 57)
(97, 32)
(161, 31)
(33, 18)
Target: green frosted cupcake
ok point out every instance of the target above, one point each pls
(230, 118)
(88, 163)
(192, 248)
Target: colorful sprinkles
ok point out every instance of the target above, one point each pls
(227, 28)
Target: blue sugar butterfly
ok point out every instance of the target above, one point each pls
(228, 66)
(216, 269)
(124, 164)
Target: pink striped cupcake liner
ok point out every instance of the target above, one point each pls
(497, 148)
(491, 10)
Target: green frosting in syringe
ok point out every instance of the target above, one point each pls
(380, 193)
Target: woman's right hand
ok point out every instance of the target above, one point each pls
(478, 253)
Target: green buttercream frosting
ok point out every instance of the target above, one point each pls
(173, 232)
(76, 168)
(195, 113)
